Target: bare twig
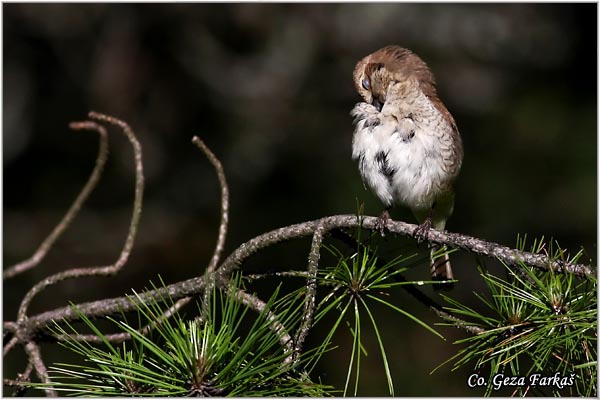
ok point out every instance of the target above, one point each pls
(101, 308)
(9, 325)
(259, 306)
(471, 244)
(311, 291)
(35, 358)
(8, 347)
(43, 249)
(508, 255)
(224, 202)
(196, 285)
(220, 245)
(20, 384)
(122, 337)
(468, 327)
(25, 374)
(139, 184)
(287, 274)
(124, 255)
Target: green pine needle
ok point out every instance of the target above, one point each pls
(536, 322)
(209, 357)
(359, 281)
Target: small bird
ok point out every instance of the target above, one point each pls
(406, 142)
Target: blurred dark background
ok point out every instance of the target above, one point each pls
(269, 88)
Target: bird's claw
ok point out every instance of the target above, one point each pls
(382, 221)
(421, 233)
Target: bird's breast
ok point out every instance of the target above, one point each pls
(405, 157)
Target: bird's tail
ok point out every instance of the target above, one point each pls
(441, 269)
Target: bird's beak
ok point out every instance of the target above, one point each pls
(377, 104)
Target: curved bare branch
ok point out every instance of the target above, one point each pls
(224, 202)
(91, 183)
(124, 255)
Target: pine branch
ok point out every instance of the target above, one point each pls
(30, 330)
(195, 286)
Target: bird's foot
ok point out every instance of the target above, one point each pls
(421, 233)
(382, 221)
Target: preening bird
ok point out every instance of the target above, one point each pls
(406, 142)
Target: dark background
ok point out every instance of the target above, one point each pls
(269, 88)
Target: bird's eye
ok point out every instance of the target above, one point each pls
(366, 83)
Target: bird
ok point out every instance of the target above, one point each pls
(406, 142)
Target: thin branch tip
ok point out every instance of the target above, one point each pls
(77, 125)
(216, 163)
(97, 115)
(118, 122)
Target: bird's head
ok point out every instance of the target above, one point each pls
(374, 74)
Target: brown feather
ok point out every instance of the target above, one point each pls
(404, 64)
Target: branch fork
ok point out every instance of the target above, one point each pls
(29, 330)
